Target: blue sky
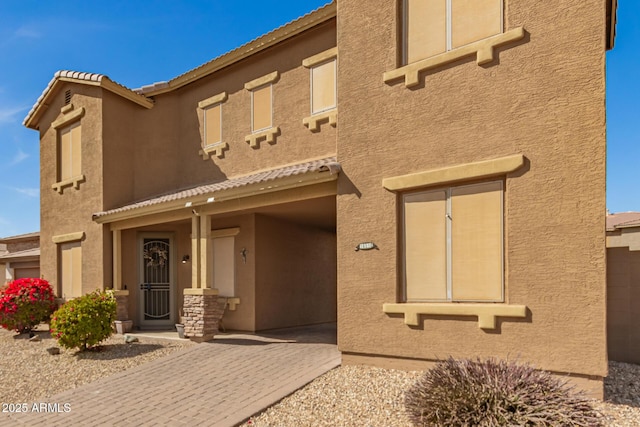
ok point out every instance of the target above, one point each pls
(140, 42)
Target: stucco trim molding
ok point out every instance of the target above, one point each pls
(475, 170)
(225, 232)
(313, 122)
(320, 57)
(215, 99)
(200, 291)
(75, 182)
(69, 237)
(268, 135)
(69, 116)
(216, 149)
(261, 81)
(483, 49)
(486, 313)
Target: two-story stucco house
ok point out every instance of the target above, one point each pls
(429, 174)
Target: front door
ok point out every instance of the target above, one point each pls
(156, 281)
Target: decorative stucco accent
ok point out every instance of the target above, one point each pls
(261, 81)
(75, 182)
(68, 117)
(320, 57)
(69, 237)
(268, 135)
(475, 170)
(215, 149)
(486, 313)
(66, 108)
(313, 122)
(215, 99)
(483, 48)
(232, 303)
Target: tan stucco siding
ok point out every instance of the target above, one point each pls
(70, 212)
(295, 274)
(543, 98)
(148, 152)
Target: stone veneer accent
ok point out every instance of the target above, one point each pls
(122, 301)
(202, 315)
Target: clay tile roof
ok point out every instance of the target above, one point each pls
(26, 236)
(328, 164)
(623, 220)
(27, 253)
(86, 78)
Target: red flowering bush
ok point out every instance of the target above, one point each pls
(24, 303)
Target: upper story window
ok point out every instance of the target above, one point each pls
(68, 148)
(323, 81)
(439, 32)
(69, 152)
(262, 110)
(432, 27)
(212, 126)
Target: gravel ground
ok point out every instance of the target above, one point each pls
(345, 396)
(365, 396)
(29, 373)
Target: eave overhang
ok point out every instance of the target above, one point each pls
(612, 18)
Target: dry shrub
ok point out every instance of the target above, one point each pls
(495, 393)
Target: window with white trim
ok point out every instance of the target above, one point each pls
(69, 152)
(70, 269)
(432, 27)
(453, 243)
(261, 108)
(323, 86)
(212, 125)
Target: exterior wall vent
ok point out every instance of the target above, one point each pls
(67, 97)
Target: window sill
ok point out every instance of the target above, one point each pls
(214, 149)
(313, 122)
(75, 182)
(268, 135)
(482, 48)
(486, 313)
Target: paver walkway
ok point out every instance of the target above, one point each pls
(217, 383)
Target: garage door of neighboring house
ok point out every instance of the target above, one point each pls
(24, 273)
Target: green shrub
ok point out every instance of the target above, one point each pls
(495, 393)
(85, 321)
(24, 303)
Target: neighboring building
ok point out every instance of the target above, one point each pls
(19, 257)
(623, 286)
(465, 145)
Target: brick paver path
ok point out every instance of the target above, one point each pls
(218, 383)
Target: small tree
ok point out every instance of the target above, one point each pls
(24, 303)
(85, 321)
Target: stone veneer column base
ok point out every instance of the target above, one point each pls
(202, 312)
(122, 304)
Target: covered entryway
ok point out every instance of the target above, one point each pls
(259, 250)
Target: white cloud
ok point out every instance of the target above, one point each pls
(19, 157)
(29, 192)
(26, 32)
(8, 114)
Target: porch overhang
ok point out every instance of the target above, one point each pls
(191, 200)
